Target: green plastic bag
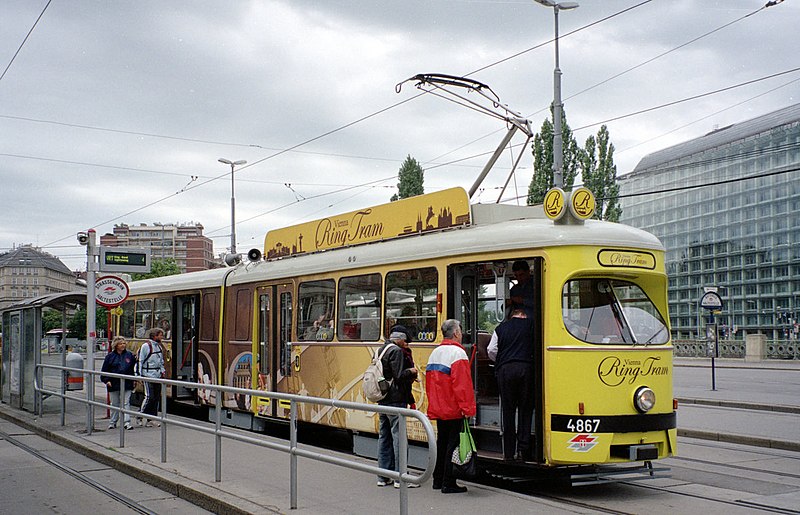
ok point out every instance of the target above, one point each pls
(465, 456)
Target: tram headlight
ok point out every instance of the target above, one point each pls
(644, 399)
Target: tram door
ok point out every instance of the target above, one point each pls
(274, 333)
(474, 306)
(184, 342)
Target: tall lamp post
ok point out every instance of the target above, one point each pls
(233, 200)
(558, 142)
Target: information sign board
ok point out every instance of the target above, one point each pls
(124, 259)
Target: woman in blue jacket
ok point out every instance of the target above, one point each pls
(119, 361)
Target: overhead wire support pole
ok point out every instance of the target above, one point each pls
(492, 160)
(515, 121)
(513, 169)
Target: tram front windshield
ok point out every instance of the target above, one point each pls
(612, 312)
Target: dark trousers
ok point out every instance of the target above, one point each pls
(515, 380)
(152, 398)
(446, 442)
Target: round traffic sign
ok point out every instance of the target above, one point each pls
(110, 291)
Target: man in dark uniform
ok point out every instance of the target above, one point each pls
(511, 348)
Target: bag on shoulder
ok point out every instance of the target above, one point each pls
(374, 385)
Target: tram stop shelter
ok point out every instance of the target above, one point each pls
(22, 344)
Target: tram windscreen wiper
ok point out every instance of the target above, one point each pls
(654, 335)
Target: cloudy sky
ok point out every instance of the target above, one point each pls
(116, 112)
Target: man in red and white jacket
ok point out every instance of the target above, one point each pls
(448, 382)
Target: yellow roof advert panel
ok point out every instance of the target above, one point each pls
(413, 215)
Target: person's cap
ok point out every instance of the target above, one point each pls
(405, 334)
(397, 335)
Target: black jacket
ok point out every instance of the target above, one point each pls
(397, 366)
(118, 364)
(514, 341)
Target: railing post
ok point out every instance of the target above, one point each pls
(292, 455)
(218, 437)
(39, 395)
(403, 465)
(163, 423)
(120, 415)
(89, 399)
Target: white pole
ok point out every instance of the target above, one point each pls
(91, 322)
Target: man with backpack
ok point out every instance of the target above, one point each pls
(399, 371)
(151, 364)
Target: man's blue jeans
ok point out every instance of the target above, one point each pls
(389, 441)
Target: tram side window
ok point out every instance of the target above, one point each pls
(144, 317)
(126, 319)
(411, 301)
(359, 308)
(315, 310)
(164, 317)
(613, 312)
(209, 321)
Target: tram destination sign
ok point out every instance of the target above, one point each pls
(124, 259)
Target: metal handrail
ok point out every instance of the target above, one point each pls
(291, 448)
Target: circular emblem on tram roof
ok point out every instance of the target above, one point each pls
(554, 206)
(582, 203)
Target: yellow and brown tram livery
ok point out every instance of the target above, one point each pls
(305, 314)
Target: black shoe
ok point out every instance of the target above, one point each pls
(454, 489)
(437, 486)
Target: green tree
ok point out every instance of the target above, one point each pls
(51, 319)
(412, 177)
(159, 268)
(600, 175)
(77, 324)
(543, 159)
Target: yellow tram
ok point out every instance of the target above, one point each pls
(305, 314)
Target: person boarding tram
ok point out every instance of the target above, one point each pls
(511, 348)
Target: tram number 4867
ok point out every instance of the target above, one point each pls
(580, 425)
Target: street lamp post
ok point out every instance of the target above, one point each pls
(558, 142)
(233, 200)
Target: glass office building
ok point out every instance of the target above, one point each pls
(727, 208)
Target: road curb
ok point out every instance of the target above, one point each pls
(195, 492)
(754, 441)
(778, 408)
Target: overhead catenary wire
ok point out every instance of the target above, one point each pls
(14, 57)
(295, 147)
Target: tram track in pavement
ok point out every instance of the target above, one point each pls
(736, 467)
(690, 488)
(108, 492)
(760, 507)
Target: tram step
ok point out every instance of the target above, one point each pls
(487, 438)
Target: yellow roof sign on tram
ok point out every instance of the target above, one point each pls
(582, 203)
(423, 213)
(554, 203)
